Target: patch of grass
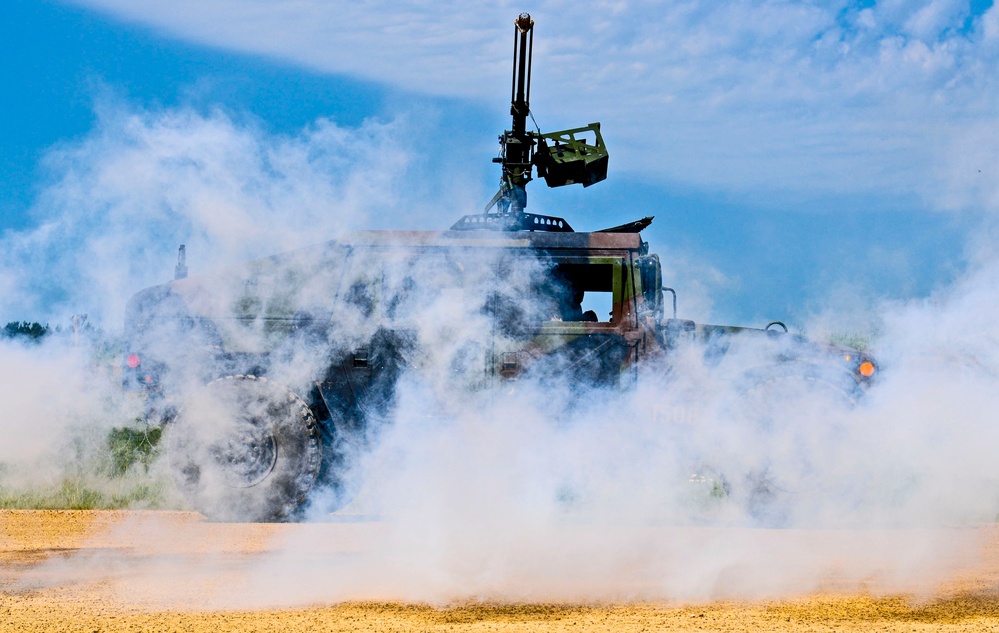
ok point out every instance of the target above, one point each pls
(113, 473)
(132, 446)
(82, 493)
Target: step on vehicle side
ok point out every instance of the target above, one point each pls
(275, 374)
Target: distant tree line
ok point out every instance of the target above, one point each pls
(80, 332)
(24, 330)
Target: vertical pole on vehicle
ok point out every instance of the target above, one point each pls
(518, 143)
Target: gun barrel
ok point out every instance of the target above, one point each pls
(523, 49)
(517, 143)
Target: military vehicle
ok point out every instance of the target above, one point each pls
(272, 375)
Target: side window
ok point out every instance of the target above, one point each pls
(584, 291)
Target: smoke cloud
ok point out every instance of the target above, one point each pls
(109, 218)
(550, 487)
(119, 202)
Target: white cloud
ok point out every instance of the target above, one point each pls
(762, 97)
(990, 25)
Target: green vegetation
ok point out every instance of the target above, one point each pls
(24, 330)
(129, 446)
(87, 493)
(92, 467)
(115, 473)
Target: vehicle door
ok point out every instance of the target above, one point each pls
(583, 309)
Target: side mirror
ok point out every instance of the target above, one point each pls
(650, 275)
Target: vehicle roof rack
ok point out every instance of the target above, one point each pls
(512, 222)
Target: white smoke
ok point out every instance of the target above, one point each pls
(121, 201)
(114, 209)
(545, 489)
(44, 391)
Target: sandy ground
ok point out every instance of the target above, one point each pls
(172, 571)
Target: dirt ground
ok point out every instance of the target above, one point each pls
(165, 571)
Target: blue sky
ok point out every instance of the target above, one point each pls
(800, 158)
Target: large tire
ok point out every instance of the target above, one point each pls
(245, 449)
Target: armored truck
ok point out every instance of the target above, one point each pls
(272, 376)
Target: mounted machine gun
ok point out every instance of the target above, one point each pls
(577, 155)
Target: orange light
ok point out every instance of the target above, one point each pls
(866, 369)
